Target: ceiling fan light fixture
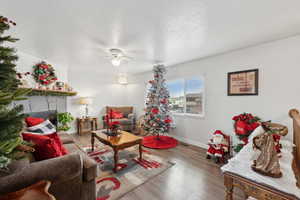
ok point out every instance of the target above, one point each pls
(116, 61)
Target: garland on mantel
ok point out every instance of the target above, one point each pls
(39, 92)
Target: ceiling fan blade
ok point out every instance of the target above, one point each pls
(136, 51)
(139, 60)
(127, 58)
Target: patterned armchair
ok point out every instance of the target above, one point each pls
(127, 122)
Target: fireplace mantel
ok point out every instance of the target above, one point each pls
(43, 92)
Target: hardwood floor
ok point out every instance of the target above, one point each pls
(193, 177)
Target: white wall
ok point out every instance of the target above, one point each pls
(26, 62)
(279, 69)
(101, 87)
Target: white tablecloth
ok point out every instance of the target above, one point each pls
(241, 165)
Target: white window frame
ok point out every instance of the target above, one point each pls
(202, 115)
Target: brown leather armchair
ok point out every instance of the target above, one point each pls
(128, 122)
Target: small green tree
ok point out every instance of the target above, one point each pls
(11, 119)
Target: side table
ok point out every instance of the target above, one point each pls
(86, 125)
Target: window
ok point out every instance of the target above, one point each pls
(187, 96)
(176, 89)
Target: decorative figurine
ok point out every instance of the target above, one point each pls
(218, 146)
(112, 127)
(268, 161)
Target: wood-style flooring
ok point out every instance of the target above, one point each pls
(193, 177)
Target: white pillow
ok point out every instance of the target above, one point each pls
(45, 127)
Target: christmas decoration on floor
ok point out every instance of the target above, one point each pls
(44, 73)
(267, 162)
(219, 146)
(157, 118)
(12, 146)
(244, 125)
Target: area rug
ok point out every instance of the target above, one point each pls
(132, 172)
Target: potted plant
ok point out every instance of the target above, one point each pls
(64, 119)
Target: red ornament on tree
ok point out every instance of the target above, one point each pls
(168, 120)
(155, 110)
(164, 101)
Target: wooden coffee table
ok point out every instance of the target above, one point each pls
(124, 140)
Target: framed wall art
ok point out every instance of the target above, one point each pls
(243, 83)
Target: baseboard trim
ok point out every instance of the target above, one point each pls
(191, 142)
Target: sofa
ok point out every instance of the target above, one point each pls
(127, 122)
(72, 176)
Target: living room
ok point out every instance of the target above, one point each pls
(135, 100)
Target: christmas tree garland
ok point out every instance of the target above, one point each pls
(44, 73)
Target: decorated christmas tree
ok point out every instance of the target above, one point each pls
(11, 119)
(157, 118)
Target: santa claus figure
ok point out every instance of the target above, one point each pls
(218, 146)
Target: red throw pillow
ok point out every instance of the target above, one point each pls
(57, 140)
(32, 121)
(45, 147)
(117, 115)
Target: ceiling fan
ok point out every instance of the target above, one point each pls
(117, 56)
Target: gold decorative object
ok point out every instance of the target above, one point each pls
(268, 161)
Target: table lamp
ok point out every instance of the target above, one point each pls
(85, 101)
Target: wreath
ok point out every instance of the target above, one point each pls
(44, 73)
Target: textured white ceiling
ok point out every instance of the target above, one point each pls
(77, 33)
